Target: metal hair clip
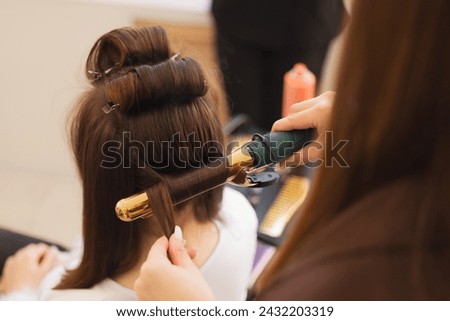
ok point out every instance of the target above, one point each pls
(96, 74)
(175, 56)
(109, 107)
(107, 71)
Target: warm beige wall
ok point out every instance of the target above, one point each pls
(43, 47)
(44, 44)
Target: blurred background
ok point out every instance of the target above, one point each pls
(44, 44)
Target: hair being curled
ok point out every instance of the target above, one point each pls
(151, 95)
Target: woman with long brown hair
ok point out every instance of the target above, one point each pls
(379, 228)
(149, 113)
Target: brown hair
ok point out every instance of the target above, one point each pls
(140, 89)
(393, 105)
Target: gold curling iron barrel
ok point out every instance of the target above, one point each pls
(237, 168)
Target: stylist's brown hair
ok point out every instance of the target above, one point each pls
(393, 105)
(142, 89)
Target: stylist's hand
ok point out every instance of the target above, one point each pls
(176, 279)
(27, 267)
(312, 113)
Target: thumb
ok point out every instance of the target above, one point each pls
(177, 252)
(158, 251)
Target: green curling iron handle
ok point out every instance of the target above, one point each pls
(275, 146)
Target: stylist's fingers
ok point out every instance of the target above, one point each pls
(153, 269)
(317, 115)
(303, 105)
(158, 251)
(313, 113)
(177, 251)
(310, 153)
(299, 120)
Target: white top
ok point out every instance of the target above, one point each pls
(229, 266)
(227, 270)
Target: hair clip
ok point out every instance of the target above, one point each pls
(176, 55)
(96, 74)
(109, 107)
(107, 71)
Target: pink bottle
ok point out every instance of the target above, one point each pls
(299, 85)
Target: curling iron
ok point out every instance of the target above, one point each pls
(242, 167)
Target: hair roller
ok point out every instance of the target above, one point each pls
(126, 47)
(178, 79)
(146, 87)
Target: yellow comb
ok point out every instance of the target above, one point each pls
(283, 208)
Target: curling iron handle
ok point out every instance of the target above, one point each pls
(275, 146)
